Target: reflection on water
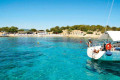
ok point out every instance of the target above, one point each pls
(103, 67)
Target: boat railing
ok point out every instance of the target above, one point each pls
(97, 44)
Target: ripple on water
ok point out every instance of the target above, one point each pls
(52, 59)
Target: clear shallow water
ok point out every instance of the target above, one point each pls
(51, 59)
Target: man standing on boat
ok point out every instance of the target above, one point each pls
(89, 42)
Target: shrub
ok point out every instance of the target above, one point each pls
(89, 32)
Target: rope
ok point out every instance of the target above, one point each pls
(109, 14)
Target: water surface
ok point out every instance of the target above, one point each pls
(51, 59)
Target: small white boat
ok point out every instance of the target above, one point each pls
(107, 51)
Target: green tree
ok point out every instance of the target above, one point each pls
(118, 29)
(5, 29)
(63, 28)
(107, 28)
(99, 27)
(47, 30)
(93, 28)
(0, 29)
(21, 30)
(13, 29)
(33, 30)
(114, 28)
(67, 27)
(56, 30)
(41, 30)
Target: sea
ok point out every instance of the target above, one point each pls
(52, 58)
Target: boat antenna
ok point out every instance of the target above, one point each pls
(109, 14)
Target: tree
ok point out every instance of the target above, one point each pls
(63, 28)
(99, 27)
(107, 28)
(41, 30)
(21, 30)
(13, 29)
(114, 28)
(5, 29)
(118, 29)
(0, 29)
(56, 30)
(67, 27)
(47, 30)
(93, 28)
(33, 30)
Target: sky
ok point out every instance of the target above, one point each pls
(44, 14)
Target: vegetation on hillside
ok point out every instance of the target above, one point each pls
(85, 28)
(33, 30)
(11, 29)
(14, 29)
(57, 29)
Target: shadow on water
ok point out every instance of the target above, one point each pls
(103, 67)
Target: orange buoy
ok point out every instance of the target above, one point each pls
(108, 46)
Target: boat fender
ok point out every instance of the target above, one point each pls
(108, 46)
(108, 53)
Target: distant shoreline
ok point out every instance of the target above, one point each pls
(4, 36)
(52, 35)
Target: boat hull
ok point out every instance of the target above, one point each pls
(102, 54)
(114, 57)
(91, 54)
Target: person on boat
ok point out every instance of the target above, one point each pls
(96, 51)
(111, 45)
(104, 47)
(89, 43)
(118, 44)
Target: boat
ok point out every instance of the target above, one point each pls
(107, 51)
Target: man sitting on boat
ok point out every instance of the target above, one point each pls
(105, 47)
(96, 51)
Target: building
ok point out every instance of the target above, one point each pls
(76, 32)
(41, 32)
(22, 32)
(97, 33)
(49, 33)
(64, 32)
(73, 33)
(1, 33)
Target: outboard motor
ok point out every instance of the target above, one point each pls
(108, 53)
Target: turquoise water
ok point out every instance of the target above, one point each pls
(51, 59)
